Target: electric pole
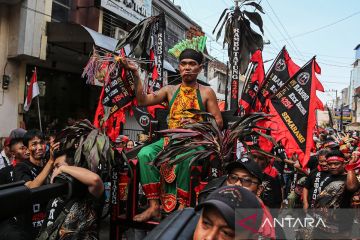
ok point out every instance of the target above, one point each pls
(335, 104)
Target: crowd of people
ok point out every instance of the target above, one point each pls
(251, 181)
(36, 162)
(330, 181)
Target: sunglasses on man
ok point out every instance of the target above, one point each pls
(245, 182)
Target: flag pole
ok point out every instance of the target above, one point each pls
(38, 105)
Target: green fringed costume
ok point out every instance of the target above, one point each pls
(170, 183)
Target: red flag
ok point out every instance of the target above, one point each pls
(281, 70)
(317, 70)
(99, 114)
(249, 93)
(294, 107)
(32, 91)
(115, 95)
(319, 104)
(155, 73)
(152, 109)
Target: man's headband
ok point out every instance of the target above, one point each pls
(335, 158)
(191, 54)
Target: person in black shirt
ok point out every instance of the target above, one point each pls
(84, 207)
(20, 153)
(316, 180)
(336, 194)
(34, 172)
(9, 229)
(272, 193)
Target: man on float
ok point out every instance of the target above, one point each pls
(170, 184)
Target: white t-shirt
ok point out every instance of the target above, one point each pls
(4, 160)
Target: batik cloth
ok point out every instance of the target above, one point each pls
(168, 183)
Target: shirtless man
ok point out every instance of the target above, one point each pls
(187, 95)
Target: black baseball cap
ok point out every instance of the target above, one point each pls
(246, 162)
(229, 199)
(17, 133)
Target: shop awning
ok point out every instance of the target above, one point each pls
(80, 39)
(76, 36)
(101, 40)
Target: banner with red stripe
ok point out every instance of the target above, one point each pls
(293, 107)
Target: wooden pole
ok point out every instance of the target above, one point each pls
(38, 105)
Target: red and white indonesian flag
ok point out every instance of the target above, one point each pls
(32, 92)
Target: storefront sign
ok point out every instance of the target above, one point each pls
(346, 114)
(132, 10)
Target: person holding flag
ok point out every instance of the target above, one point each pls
(187, 95)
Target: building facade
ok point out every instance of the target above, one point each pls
(56, 37)
(20, 43)
(354, 92)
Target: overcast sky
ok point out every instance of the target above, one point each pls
(328, 29)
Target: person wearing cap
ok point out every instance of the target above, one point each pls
(223, 215)
(5, 155)
(17, 133)
(331, 145)
(336, 192)
(121, 141)
(224, 211)
(243, 172)
(187, 95)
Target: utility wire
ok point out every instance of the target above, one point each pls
(324, 63)
(284, 29)
(277, 28)
(322, 27)
(271, 38)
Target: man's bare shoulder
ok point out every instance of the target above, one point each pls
(205, 89)
(166, 89)
(172, 88)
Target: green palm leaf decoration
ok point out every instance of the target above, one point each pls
(213, 141)
(196, 43)
(250, 40)
(92, 147)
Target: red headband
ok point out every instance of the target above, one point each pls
(336, 158)
(345, 150)
(329, 144)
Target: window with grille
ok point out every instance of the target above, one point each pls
(61, 10)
